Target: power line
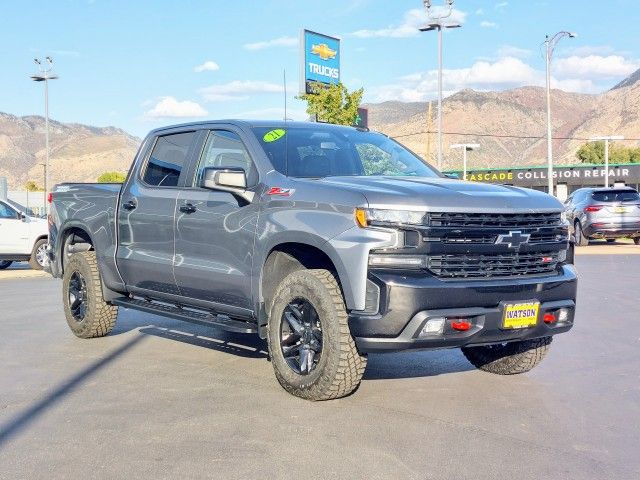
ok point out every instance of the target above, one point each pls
(497, 135)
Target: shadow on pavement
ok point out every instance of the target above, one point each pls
(22, 420)
(385, 366)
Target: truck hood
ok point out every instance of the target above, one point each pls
(445, 195)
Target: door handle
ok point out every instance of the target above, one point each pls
(130, 205)
(188, 208)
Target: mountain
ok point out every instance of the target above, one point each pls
(78, 152)
(510, 125)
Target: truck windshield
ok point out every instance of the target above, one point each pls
(329, 151)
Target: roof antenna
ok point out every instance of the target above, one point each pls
(284, 82)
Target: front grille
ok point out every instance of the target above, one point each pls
(475, 238)
(492, 265)
(507, 220)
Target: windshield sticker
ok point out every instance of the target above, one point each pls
(273, 135)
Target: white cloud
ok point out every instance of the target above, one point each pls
(501, 5)
(487, 24)
(512, 51)
(208, 66)
(272, 113)
(479, 11)
(611, 66)
(276, 42)
(412, 21)
(169, 107)
(239, 90)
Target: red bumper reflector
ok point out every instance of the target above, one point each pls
(49, 197)
(549, 318)
(461, 325)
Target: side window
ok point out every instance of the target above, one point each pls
(6, 212)
(168, 158)
(225, 149)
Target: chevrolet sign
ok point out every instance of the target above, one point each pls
(320, 59)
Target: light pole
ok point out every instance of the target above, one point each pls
(44, 75)
(550, 43)
(44, 166)
(466, 147)
(438, 23)
(606, 139)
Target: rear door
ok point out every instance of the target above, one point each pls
(146, 215)
(14, 232)
(215, 230)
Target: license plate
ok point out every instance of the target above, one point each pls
(520, 315)
(621, 209)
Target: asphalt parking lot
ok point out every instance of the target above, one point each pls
(162, 399)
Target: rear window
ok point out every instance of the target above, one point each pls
(167, 159)
(616, 196)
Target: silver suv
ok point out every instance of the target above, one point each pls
(604, 213)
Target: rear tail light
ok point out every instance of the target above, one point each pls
(461, 325)
(593, 208)
(49, 197)
(549, 318)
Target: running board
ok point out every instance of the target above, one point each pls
(201, 318)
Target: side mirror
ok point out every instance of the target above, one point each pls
(22, 216)
(227, 179)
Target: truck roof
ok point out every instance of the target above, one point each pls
(255, 123)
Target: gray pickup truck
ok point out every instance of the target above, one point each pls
(329, 242)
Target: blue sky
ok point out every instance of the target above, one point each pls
(141, 64)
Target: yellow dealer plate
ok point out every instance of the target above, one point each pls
(520, 315)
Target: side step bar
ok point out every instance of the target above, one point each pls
(201, 318)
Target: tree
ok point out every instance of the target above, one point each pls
(112, 177)
(593, 152)
(333, 103)
(32, 186)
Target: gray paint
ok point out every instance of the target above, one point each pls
(215, 256)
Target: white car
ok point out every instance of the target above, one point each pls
(22, 237)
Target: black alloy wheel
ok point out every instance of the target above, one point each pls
(78, 297)
(301, 336)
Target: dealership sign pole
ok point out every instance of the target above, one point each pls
(606, 139)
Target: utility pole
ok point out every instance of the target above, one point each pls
(45, 74)
(466, 147)
(429, 125)
(606, 139)
(550, 43)
(438, 23)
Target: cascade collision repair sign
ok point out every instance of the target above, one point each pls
(320, 59)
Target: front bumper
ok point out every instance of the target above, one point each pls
(407, 301)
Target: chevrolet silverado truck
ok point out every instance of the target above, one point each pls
(330, 242)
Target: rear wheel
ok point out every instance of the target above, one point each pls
(39, 258)
(88, 315)
(581, 239)
(508, 358)
(5, 264)
(636, 240)
(611, 240)
(312, 351)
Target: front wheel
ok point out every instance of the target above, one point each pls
(508, 358)
(581, 239)
(311, 348)
(88, 315)
(5, 264)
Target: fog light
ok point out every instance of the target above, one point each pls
(460, 324)
(563, 314)
(434, 326)
(549, 318)
(396, 261)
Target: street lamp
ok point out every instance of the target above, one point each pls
(44, 75)
(606, 139)
(550, 43)
(44, 166)
(438, 23)
(466, 147)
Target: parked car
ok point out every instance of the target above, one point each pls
(22, 237)
(329, 242)
(604, 213)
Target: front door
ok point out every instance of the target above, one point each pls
(215, 231)
(14, 232)
(146, 216)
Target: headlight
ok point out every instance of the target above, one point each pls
(368, 216)
(563, 217)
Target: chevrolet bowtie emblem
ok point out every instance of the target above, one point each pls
(515, 239)
(323, 51)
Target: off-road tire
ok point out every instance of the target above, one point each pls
(100, 317)
(33, 261)
(5, 264)
(340, 367)
(581, 239)
(509, 358)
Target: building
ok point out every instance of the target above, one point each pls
(566, 178)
